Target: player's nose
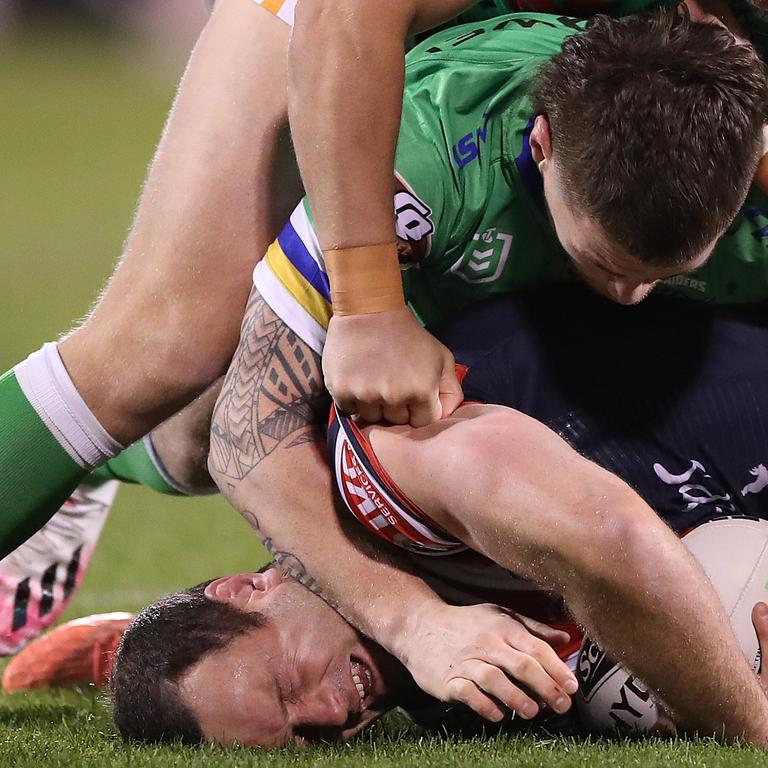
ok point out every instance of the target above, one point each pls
(324, 708)
(629, 291)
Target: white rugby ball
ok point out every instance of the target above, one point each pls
(734, 554)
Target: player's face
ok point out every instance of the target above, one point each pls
(306, 676)
(604, 265)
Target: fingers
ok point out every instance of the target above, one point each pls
(555, 637)
(535, 670)
(760, 622)
(484, 685)
(423, 412)
(466, 692)
(393, 409)
(373, 409)
(536, 639)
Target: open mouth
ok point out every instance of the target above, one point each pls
(362, 677)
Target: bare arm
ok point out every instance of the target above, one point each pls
(346, 70)
(268, 458)
(345, 98)
(515, 491)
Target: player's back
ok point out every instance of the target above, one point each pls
(670, 395)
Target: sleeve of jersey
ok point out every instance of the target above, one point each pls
(291, 278)
(426, 220)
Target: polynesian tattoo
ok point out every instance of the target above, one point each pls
(273, 393)
(274, 397)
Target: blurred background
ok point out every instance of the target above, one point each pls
(85, 86)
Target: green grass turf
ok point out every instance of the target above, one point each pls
(80, 116)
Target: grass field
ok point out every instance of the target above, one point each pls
(80, 116)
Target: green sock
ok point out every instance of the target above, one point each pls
(137, 464)
(36, 474)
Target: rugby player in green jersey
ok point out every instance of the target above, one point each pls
(479, 139)
(190, 234)
(346, 166)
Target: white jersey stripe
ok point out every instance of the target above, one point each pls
(285, 306)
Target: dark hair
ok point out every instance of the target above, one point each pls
(165, 640)
(656, 125)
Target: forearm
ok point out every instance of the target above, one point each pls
(289, 503)
(583, 532)
(346, 60)
(268, 458)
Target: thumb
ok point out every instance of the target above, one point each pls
(760, 622)
(557, 638)
(451, 394)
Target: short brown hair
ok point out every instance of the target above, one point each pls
(166, 639)
(656, 125)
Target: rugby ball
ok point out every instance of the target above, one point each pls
(734, 554)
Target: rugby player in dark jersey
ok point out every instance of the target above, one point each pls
(677, 408)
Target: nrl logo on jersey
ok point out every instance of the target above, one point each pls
(413, 225)
(485, 259)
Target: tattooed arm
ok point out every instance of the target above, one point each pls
(268, 458)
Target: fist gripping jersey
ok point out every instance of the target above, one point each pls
(468, 199)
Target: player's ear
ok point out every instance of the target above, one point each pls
(243, 590)
(540, 142)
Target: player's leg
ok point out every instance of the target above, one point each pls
(513, 490)
(221, 183)
(172, 459)
(41, 577)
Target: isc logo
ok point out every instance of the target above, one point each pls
(467, 148)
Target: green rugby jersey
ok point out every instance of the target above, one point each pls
(469, 203)
(752, 19)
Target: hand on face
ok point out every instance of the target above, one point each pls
(480, 655)
(385, 366)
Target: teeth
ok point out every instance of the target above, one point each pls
(356, 670)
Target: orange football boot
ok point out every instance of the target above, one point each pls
(80, 652)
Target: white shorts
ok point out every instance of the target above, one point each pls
(283, 9)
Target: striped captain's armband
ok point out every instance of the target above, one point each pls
(371, 495)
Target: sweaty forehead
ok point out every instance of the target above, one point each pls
(233, 692)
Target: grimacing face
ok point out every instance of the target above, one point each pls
(603, 265)
(306, 676)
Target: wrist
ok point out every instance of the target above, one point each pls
(364, 280)
(410, 623)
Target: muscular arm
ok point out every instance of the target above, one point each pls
(346, 60)
(346, 69)
(268, 458)
(512, 489)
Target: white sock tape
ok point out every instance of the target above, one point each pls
(49, 389)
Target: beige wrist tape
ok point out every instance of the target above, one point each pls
(364, 280)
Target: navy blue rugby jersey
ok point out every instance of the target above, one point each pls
(671, 396)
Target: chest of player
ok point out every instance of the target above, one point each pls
(494, 238)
